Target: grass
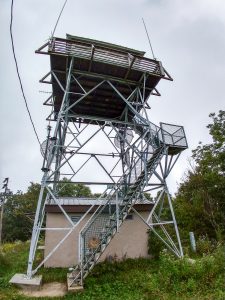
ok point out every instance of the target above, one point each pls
(137, 279)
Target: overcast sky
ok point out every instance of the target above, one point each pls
(187, 36)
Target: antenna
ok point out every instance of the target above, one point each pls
(56, 24)
(148, 38)
(46, 147)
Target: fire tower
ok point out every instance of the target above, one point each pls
(101, 91)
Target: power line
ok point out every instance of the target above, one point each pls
(18, 74)
(148, 38)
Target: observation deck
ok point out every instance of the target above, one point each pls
(100, 64)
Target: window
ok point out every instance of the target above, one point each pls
(129, 217)
(75, 219)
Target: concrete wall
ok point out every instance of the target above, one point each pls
(131, 241)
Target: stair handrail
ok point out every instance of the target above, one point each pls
(116, 186)
(83, 233)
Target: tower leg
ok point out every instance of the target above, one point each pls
(158, 223)
(36, 228)
(174, 222)
(59, 136)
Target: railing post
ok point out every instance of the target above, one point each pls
(160, 129)
(81, 258)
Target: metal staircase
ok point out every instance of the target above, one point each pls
(105, 222)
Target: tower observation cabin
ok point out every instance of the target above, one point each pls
(99, 114)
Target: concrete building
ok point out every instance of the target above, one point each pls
(130, 242)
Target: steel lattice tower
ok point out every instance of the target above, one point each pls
(102, 90)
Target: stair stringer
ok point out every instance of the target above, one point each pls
(84, 267)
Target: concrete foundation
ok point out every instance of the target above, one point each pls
(24, 282)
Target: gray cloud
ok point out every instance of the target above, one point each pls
(188, 36)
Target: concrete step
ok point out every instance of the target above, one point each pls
(75, 286)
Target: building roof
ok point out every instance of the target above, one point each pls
(91, 201)
(81, 205)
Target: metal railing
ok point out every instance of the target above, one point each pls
(106, 55)
(169, 134)
(105, 221)
(107, 218)
(173, 135)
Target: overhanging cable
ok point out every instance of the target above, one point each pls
(18, 74)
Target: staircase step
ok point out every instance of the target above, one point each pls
(105, 234)
(74, 286)
(89, 263)
(110, 228)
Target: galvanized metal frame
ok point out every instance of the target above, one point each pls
(163, 192)
(63, 152)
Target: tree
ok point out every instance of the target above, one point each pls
(19, 213)
(68, 189)
(200, 205)
(19, 210)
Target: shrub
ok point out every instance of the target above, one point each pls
(206, 246)
(3, 261)
(194, 277)
(155, 245)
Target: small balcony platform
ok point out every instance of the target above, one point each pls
(174, 137)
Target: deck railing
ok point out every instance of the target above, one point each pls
(173, 135)
(106, 55)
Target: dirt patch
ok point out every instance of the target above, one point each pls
(53, 289)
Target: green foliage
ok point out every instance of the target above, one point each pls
(200, 201)
(155, 245)
(148, 196)
(59, 274)
(67, 189)
(205, 246)
(190, 277)
(20, 208)
(14, 257)
(166, 278)
(3, 260)
(19, 213)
